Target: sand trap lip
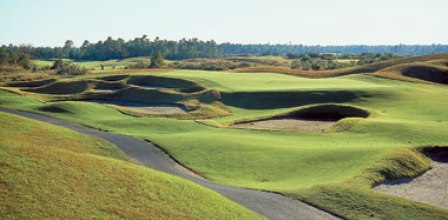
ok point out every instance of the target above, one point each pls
(431, 187)
(310, 119)
(289, 124)
(153, 87)
(145, 108)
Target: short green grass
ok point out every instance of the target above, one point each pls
(49, 172)
(404, 115)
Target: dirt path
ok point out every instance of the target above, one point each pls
(271, 205)
(431, 187)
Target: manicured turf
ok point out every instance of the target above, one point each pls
(52, 172)
(404, 114)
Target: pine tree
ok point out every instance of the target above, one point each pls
(156, 60)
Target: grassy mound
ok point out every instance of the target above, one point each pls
(427, 73)
(369, 68)
(135, 94)
(198, 100)
(354, 199)
(51, 172)
(61, 88)
(286, 99)
(435, 72)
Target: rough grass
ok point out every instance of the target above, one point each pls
(354, 198)
(423, 72)
(369, 68)
(52, 172)
(21, 76)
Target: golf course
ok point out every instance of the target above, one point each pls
(319, 143)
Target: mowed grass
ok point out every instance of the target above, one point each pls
(403, 115)
(282, 161)
(49, 172)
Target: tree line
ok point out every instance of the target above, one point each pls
(120, 49)
(19, 58)
(195, 48)
(266, 49)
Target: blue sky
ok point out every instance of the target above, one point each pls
(324, 22)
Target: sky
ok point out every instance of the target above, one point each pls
(309, 22)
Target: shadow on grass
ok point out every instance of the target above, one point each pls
(281, 99)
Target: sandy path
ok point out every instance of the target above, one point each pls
(271, 205)
(287, 124)
(431, 187)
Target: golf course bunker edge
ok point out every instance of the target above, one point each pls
(145, 108)
(430, 188)
(310, 119)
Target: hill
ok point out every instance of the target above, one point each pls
(369, 68)
(52, 172)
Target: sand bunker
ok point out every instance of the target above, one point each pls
(431, 187)
(144, 108)
(311, 119)
(287, 124)
(106, 90)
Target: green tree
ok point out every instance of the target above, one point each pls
(156, 60)
(24, 61)
(67, 47)
(12, 59)
(58, 64)
(3, 56)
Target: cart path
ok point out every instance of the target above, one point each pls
(271, 205)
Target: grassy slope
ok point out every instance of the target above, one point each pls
(52, 172)
(369, 68)
(406, 114)
(432, 72)
(354, 199)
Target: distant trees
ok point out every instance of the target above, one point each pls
(230, 48)
(120, 49)
(14, 58)
(67, 68)
(156, 60)
(194, 48)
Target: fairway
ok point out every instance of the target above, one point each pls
(395, 114)
(289, 110)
